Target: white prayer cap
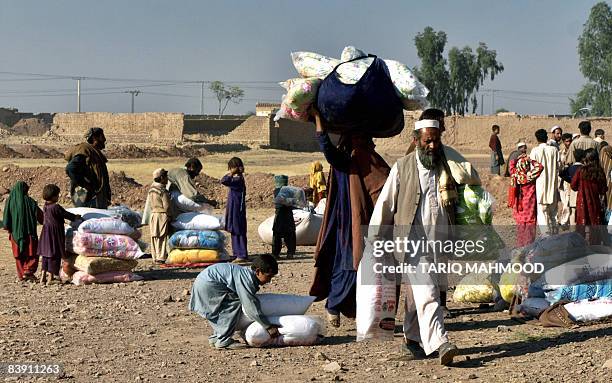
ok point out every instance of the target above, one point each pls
(575, 135)
(552, 130)
(426, 124)
(520, 144)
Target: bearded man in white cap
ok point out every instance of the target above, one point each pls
(418, 199)
(556, 132)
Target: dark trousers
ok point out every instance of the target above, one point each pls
(239, 246)
(277, 243)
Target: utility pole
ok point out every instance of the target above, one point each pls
(492, 101)
(133, 93)
(202, 100)
(482, 104)
(78, 80)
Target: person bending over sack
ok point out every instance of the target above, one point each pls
(222, 291)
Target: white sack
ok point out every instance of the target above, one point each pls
(586, 310)
(278, 305)
(295, 330)
(106, 225)
(187, 205)
(196, 221)
(307, 226)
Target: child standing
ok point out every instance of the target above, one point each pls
(317, 182)
(52, 244)
(20, 216)
(590, 183)
(161, 210)
(284, 225)
(235, 211)
(221, 292)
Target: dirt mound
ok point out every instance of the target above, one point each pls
(125, 189)
(31, 127)
(134, 151)
(498, 186)
(34, 151)
(260, 188)
(8, 152)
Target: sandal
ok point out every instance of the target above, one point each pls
(333, 319)
(235, 345)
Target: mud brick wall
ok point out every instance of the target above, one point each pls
(255, 131)
(151, 128)
(471, 133)
(293, 135)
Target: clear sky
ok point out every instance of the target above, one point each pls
(250, 41)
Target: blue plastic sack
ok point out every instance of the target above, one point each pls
(197, 239)
(598, 289)
(370, 106)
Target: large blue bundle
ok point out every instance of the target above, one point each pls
(197, 239)
(598, 289)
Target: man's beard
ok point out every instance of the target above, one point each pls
(429, 158)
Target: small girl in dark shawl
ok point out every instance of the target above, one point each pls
(235, 211)
(52, 244)
(20, 216)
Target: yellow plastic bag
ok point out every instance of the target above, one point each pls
(178, 256)
(474, 288)
(507, 285)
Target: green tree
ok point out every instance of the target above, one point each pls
(453, 89)
(432, 72)
(501, 110)
(595, 51)
(226, 94)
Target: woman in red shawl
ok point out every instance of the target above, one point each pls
(523, 173)
(590, 183)
(21, 213)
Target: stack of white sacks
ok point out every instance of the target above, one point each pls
(105, 245)
(573, 271)
(198, 238)
(287, 311)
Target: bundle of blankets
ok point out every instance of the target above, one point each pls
(313, 68)
(574, 285)
(197, 240)
(104, 247)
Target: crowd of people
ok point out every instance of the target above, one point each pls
(561, 183)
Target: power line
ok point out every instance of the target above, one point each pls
(532, 100)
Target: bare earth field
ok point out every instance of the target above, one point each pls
(143, 331)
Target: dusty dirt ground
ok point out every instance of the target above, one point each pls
(143, 331)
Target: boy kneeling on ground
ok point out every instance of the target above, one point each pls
(221, 291)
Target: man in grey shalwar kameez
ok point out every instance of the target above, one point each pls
(221, 291)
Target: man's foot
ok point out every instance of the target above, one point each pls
(30, 278)
(333, 319)
(447, 352)
(290, 256)
(159, 261)
(411, 350)
(241, 260)
(446, 313)
(235, 345)
(212, 342)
